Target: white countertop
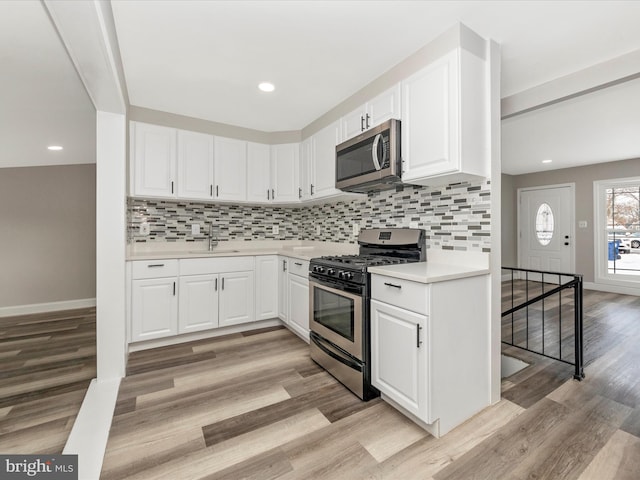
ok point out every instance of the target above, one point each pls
(441, 265)
(298, 249)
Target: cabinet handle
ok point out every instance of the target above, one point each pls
(174, 289)
(299, 192)
(361, 123)
(216, 286)
(312, 189)
(273, 194)
(299, 264)
(284, 265)
(368, 118)
(211, 190)
(155, 265)
(392, 285)
(171, 186)
(268, 194)
(222, 283)
(418, 341)
(217, 194)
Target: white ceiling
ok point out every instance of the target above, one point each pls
(42, 100)
(204, 59)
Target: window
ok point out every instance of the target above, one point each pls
(544, 224)
(617, 231)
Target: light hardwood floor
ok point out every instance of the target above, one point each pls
(47, 363)
(256, 407)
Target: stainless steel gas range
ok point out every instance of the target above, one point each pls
(339, 292)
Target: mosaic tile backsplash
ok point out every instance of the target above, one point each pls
(455, 217)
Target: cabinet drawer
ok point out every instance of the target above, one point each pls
(409, 295)
(154, 269)
(299, 267)
(203, 266)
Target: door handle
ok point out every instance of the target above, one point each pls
(299, 192)
(174, 289)
(273, 194)
(418, 341)
(217, 191)
(155, 265)
(393, 285)
(222, 283)
(361, 123)
(268, 193)
(312, 189)
(216, 286)
(368, 117)
(284, 265)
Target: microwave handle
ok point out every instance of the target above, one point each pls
(374, 151)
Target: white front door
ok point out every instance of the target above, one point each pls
(545, 229)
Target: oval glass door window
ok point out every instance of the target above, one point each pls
(544, 224)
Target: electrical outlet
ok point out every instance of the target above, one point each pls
(275, 229)
(318, 230)
(144, 229)
(582, 224)
(195, 229)
(356, 229)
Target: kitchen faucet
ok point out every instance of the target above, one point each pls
(213, 240)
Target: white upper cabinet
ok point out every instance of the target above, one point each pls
(385, 106)
(259, 188)
(154, 160)
(324, 161)
(307, 148)
(285, 174)
(444, 128)
(230, 169)
(195, 165)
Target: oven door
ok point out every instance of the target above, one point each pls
(336, 315)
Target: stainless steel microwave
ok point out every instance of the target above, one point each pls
(371, 161)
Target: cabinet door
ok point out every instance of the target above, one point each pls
(266, 287)
(198, 303)
(154, 160)
(399, 366)
(430, 125)
(306, 168)
(230, 169)
(299, 304)
(385, 106)
(259, 187)
(154, 308)
(324, 160)
(285, 175)
(195, 165)
(236, 298)
(353, 123)
(283, 289)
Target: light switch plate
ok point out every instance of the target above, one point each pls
(144, 229)
(195, 229)
(356, 229)
(275, 229)
(318, 230)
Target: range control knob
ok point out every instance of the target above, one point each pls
(340, 274)
(348, 276)
(331, 271)
(321, 269)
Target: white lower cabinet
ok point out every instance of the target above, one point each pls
(299, 304)
(399, 363)
(430, 350)
(198, 303)
(267, 287)
(236, 298)
(154, 308)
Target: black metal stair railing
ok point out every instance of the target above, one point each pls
(538, 328)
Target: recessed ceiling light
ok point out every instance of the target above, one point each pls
(548, 160)
(266, 87)
(54, 147)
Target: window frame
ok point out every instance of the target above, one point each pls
(600, 240)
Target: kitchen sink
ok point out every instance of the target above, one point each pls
(214, 252)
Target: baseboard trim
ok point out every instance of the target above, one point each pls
(601, 287)
(47, 307)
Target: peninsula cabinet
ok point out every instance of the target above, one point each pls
(383, 107)
(154, 161)
(444, 127)
(430, 351)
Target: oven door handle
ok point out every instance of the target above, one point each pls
(348, 362)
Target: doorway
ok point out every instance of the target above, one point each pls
(546, 233)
